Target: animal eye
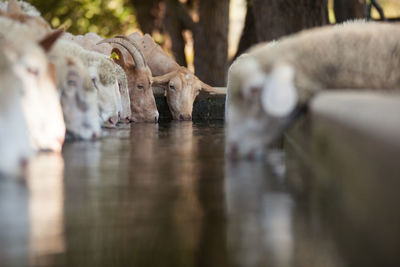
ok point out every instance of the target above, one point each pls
(172, 87)
(72, 83)
(120, 87)
(33, 71)
(81, 104)
(140, 86)
(94, 80)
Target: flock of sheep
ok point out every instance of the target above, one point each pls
(56, 85)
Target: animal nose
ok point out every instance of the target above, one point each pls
(156, 117)
(185, 117)
(127, 119)
(95, 136)
(112, 120)
(60, 140)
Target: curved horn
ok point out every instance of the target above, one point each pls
(134, 43)
(131, 47)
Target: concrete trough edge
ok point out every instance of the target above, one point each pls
(345, 154)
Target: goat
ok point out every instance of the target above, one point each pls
(180, 84)
(88, 42)
(270, 85)
(143, 104)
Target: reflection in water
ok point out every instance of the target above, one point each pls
(267, 225)
(260, 229)
(143, 192)
(277, 218)
(46, 203)
(14, 222)
(159, 195)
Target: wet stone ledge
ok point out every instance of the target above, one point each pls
(207, 106)
(344, 155)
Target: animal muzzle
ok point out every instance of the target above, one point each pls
(127, 119)
(185, 117)
(111, 122)
(154, 117)
(149, 117)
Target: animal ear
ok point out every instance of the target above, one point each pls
(279, 95)
(48, 41)
(207, 88)
(13, 7)
(163, 80)
(117, 57)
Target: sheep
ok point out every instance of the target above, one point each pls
(180, 84)
(143, 104)
(100, 67)
(82, 124)
(102, 72)
(271, 85)
(40, 103)
(77, 95)
(30, 44)
(88, 41)
(15, 147)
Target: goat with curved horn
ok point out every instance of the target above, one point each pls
(131, 47)
(143, 104)
(180, 84)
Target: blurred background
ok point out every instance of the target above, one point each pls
(205, 35)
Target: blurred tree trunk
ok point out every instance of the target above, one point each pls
(348, 9)
(175, 27)
(210, 33)
(149, 14)
(270, 20)
(164, 16)
(211, 41)
(249, 35)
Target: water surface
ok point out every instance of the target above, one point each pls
(158, 195)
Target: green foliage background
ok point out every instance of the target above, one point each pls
(105, 17)
(111, 17)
